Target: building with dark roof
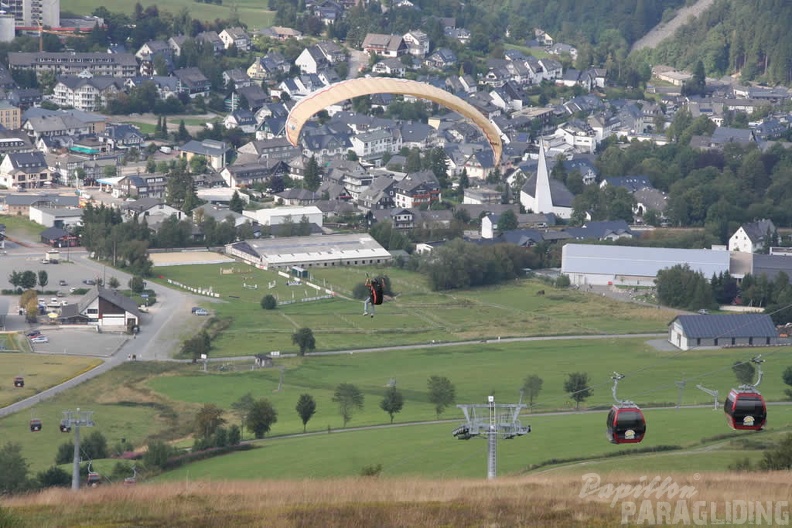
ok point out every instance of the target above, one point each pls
(103, 307)
(697, 331)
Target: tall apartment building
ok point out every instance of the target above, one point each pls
(71, 63)
(29, 13)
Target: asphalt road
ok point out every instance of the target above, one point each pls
(162, 329)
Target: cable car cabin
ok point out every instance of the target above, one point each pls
(745, 410)
(65, 427)
(19, 382)
(35, 425)
(94, 478)
(626, 425)
(129, 481)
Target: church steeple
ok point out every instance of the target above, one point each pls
(544, 199)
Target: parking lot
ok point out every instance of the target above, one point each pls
(62, 277)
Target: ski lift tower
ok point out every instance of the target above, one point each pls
(492, 420)
(75, 420)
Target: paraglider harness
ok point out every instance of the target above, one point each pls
(375, 290)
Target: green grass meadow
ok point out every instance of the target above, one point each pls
(250, 12)
(476, 371)
(414, 316)
(431, 451)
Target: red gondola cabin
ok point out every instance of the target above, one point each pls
(745, 410)
(35, 425)
(19, 382)
(626, 424)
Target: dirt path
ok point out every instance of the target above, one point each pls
(664, 30)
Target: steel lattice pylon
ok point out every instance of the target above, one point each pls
(492, 420)
(76, 419)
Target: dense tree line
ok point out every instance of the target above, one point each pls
(123, 244)
(681, 287)
(724, 38)
(718, 190)
(460, 264)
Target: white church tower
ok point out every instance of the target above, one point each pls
(540, 194)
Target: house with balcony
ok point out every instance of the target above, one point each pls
(85, 92)
(417, 189)
(384, 45)
(25, 170)
(192, 82)
(237, 37)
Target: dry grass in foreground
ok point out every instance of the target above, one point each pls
(371, 502)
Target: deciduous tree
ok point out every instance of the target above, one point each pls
(393, 402)
(306, 408)
(261, 416)
(349, 399)
(442, 393)
(305, 340)
(577, 386)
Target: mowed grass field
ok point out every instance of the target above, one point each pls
(415, 315)
(431, 452)
(476, 371)
(252, 13)
(40, 371)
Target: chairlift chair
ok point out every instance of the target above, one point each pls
(626, 423)
(745, 408)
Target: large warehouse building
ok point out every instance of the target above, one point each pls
(634, 266)
(311, 252)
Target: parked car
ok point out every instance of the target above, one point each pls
(201, 311)
(62, 283)
(89, 282)
(72, 289)
(33, 333)
(39, 339)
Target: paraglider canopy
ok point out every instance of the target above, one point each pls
(351, 88)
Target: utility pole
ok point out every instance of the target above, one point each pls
(492, 420)
(76, 419)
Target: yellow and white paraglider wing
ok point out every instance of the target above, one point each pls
(351, 88)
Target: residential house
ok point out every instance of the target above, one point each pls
(58, 236)
(311, 60)
(121, 136)
(441, 59)
(166, 86)
(389, 66)
(143, 185)
(237, 37)
(15, 141)
(417, 189)
(71, 63)
(482, 195)
(25, 170)
(213, 151)
(211, 39)
(373, 144)
(236, 79)
(254, 95)
(154, 207)
(20, 204)
(281, 33)
(417, 43)
(10, 116)
(176, 43)
(248, 174)
(268, 67)
(384, 45)
(242, 119)
(192, 82)
(85, 92)
(749, 238)
(328, 11)
(297, 197)
(148, 53)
